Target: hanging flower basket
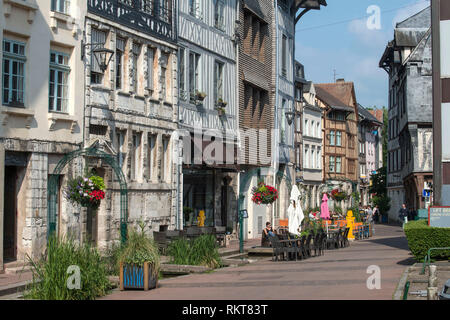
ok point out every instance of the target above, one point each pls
(338, 195)
(86, 191)
(264, 194)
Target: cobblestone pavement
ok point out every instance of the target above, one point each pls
(339, 274)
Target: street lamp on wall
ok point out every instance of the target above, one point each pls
(289, 116)
(103, 57)
(101, 54)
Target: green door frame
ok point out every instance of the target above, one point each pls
(53, 192)
(242, 184)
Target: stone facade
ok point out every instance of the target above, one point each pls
(131, 113)
(408, 61)
(42, 120)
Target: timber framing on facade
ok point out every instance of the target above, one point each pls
(408, 62)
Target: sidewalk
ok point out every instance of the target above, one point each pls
(12, 283)
(337, 275)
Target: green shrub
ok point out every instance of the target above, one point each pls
(421, 237)
(202, 251)
(111, 259)
(50, 273)
(138, 249)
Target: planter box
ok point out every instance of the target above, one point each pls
(137, 277)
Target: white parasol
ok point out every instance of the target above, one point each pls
(295, 212)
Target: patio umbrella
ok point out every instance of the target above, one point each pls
(295, 212)
(324, 211)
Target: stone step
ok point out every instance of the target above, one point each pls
(16, 270)
(15, 264)
(14, 288)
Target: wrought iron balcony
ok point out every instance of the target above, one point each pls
(147, 16)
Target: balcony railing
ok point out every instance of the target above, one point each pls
(147, 16)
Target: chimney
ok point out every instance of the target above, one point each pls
(340, 80)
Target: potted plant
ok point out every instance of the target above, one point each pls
(200, 96)
(221, 103)
(139, 262)
(264, 194)
(221, 111)
(86, 191)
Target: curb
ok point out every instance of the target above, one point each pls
(398, 294)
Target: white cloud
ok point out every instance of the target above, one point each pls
(368, 37)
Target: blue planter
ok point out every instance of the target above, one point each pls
(137, 277)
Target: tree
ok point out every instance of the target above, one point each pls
(378, 188)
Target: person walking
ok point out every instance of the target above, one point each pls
(376, 214)
(403, 215)
(370, 219)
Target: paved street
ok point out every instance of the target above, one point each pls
(339, 274)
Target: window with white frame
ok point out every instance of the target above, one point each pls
(136, 157)
(61, 6)
(319, 158)
(332, 165)
(151, 154)
(120, 49)
(312, 128)
(165, 164)
(338, 164)
(306, 128)
(283, 121)
(318, 135)
(313, 157)
(332, 138)
(136, 52)
(58, 89)
(338, 138)
(120, 147)
(284, 56)
(194, 8)
(164, 65)
(194, 60)
(148, 6)
(182, 73)
(150, 67)
(98, 39)
(164, 10)
(219, 20)
(218, 81)
(306, 156)
(13, 78)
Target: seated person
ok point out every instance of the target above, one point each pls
(266, 233)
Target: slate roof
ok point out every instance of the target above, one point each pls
(366, 115)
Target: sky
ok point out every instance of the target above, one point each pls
(337, 39)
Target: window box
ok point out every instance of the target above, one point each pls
(221, 111)
(221, 104)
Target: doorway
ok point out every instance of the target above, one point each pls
(10, 215)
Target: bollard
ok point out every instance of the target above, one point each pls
(432, 293)
(432, 278)
(432, 290)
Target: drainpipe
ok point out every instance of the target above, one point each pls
(179, 208)
(275, 148)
